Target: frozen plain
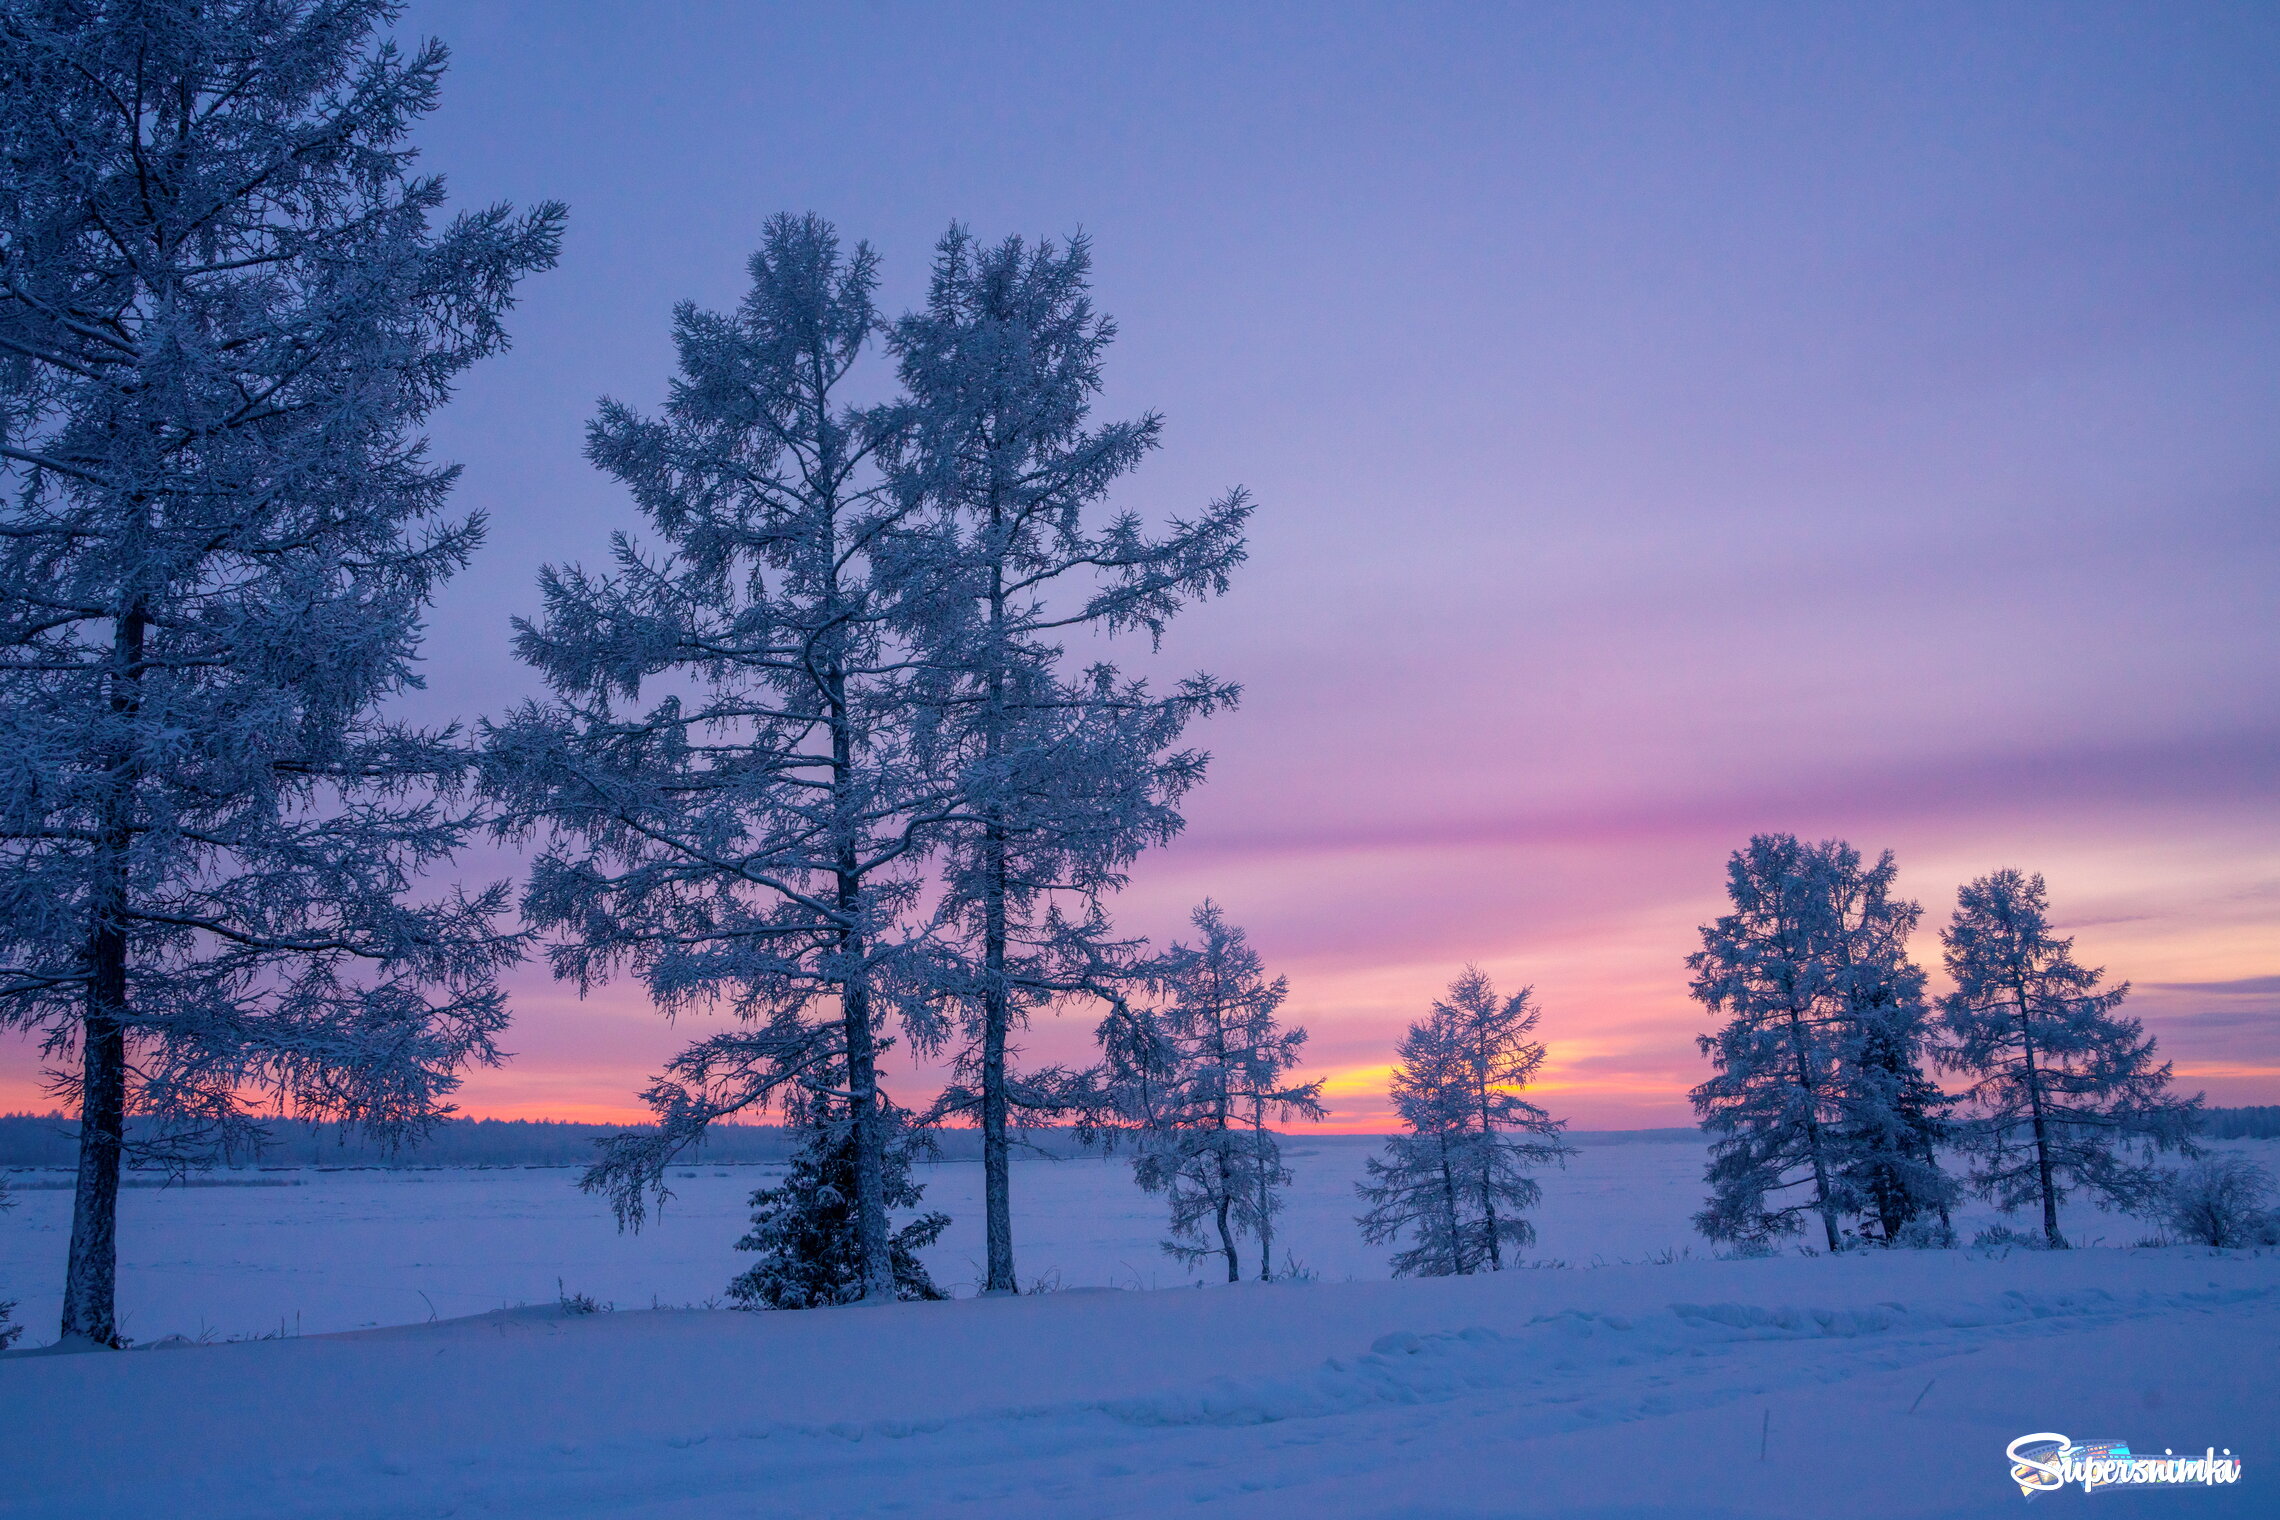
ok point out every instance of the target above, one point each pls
(1882, 1384)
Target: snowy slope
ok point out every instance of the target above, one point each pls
(1879, 1385)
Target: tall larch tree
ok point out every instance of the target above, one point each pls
(1067, 769)
(226, 307)
(725, 783)
(2063, 1083)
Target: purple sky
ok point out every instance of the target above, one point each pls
(1669, 422)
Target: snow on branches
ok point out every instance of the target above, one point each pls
(1065, 774)
(225, 309)
(726, 785)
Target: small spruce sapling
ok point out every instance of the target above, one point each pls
(804, 1230)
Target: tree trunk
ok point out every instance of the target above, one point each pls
(997, 1178)
(1457, 1265)
(1266, 1195)
(1223, 1123)
(91, 1273)
(1798, 1031)
(2043, 1172)
(90, 1292)
(870, 1146)
(855, 1020)
(1488, 1181)
(1226, 1192)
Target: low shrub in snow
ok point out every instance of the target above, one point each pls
(1924, 1234)
(2221, 1201)
(2003, 1236)
(577, 1303)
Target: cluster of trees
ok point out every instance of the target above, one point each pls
(1821, 1104)
(815, 750)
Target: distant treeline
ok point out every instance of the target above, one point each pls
(2261, 1123)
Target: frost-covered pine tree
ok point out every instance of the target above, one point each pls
(1196, 1078)
(1893, 1116)
(1457, 1184)
(1819, 1104)
(225, 308)
(2062, 1082)
(1066, 773)
(804, 1228)
(725, 781)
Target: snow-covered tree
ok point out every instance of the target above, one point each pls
(225, 308)
(1457, 1183)
(725, 781)
(1895, 1119)
(1819, 1104)
(1067, 773)
(2062, 1083)
(1893, 1115)
(804, 1228)
(1195, 1079)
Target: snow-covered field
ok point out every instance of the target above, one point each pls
(317, 1251)
(1880, 1384)
(349, 1249)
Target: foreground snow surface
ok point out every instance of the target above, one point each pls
(1874, 1385)
(1605, 1385)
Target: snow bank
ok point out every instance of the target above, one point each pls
(1883, 1385)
